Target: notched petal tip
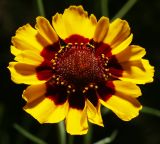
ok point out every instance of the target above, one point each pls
(118, 32)
(40, 18)
(77, 20)
(46, 30)
(126, 108)
(34, 92)
(93, 19)
(139, 72)
(119, 21)
(94, 113)
(131, 53)
(55, 17)
(25, 28)
(26, 38)
(101, 29)
(23, 73)
(126, 88)
(45, 111)
(76, 121)
(132, 116)
(149, 70)
(123, 45)
(79, 9)
(140, 50)
(14, 50)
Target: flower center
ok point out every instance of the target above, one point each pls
(78, 65)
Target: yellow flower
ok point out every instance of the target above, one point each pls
(76, 65)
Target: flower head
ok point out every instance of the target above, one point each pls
(76, 65)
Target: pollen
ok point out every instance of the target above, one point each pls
(78, 65)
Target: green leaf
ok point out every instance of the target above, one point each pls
(28, 135)
(124, 10)
(105, 8)
(62, 133)
(108, 140)
(40, 7)
(150, 111)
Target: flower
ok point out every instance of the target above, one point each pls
(77, 65)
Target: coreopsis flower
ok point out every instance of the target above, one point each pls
(76, 65)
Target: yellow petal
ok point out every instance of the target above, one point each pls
(122, 46)
(46, 30)
(76, 121)
(23, 73)
(59, 113)
(34, 92)
(45, 111)
(139, 72)
(27, 38)
(74, 21)
(101, 29)
(126, 88)
(118, 31)
(14, 50)
(124, 107)
(29, 57)
(131, 53)
(94, 113)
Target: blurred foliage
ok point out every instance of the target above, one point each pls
(144, 21)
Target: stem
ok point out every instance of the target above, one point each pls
(27, 123)
(151, 111)
(105, 111)
(108, 140)
(28, 135)
(62, 133)
(88, 136)
(40, 7)
(104, 8)
(70, 139)
(123, 11)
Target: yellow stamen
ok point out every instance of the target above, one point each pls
(62, 83)
(86, 88)
(91, 85)
(84, 91)
(103, 56)
(96, 87)
(106, 70)
(68, 92)
(69, 86)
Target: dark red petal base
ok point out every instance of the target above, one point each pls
(80, 69)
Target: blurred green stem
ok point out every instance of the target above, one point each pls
(108, 140)
(28, 135)
(123, 11)
(40, 7)
(104, 7)
(70, 139)
(27, 124)
(88, 136)
(151, 111)
(105, 110)
(62, 133)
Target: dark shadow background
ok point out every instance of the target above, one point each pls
(144, 19)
